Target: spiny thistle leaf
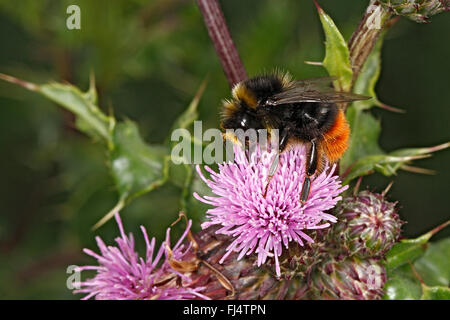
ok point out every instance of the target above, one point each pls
(433, 266)
(427, 279)
(337, 57)
(408, 250)
(365, 131)
(388, 164)
(402, 285)
(364, 127)
(137, 167)
(89, 118)
(182, 174)
(435, 293)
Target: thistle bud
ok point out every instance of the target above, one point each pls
(368, 225)
(232, 278)
(349, 279)
(416, 10)
(298, 261)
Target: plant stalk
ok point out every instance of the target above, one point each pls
(223, 43)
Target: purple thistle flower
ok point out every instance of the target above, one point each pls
(123, 275)
(264, 224)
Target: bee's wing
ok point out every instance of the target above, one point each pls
(313, 90)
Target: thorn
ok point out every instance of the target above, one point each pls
(357, 185)
(439, 147)
(439, 228)
(389, 186)
(417, 169)
(200, 90)
(318, 7)
(119, 206)
(110, 109)
(22, 83)
(314, 63)
(92, 80)
(417, 157)
(387, 107)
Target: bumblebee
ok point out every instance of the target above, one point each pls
(304, 112)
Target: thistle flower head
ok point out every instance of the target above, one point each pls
(368, 225)
(123, 275)
(264, 225)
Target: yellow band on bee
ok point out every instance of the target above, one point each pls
(240, 92)
(231, 137)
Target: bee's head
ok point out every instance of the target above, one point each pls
(238, 116)
(242, 111)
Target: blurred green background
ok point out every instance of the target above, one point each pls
(149, 58)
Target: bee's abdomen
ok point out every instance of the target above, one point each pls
(335, 139)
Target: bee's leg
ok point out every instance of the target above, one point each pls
(311, 167)
(272, 170)
(274, 165)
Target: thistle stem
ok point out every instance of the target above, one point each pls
(366, 34)
(223, 43)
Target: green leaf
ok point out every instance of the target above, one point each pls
(386, 164)
(137, 167)
(89, 118)
(435, 293)
(428, 278)
(364, 153)
(402, 285)
(337, 57)
(405, 251)
(433, 266)
(408, 250)
(365, 130)
(184, 175)
(191, 113)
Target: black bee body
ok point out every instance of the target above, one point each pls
(301, 121)
(304, 112)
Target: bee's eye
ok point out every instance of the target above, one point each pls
(245, 121)
(323, 110)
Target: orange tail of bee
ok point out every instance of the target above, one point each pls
(335, 140)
